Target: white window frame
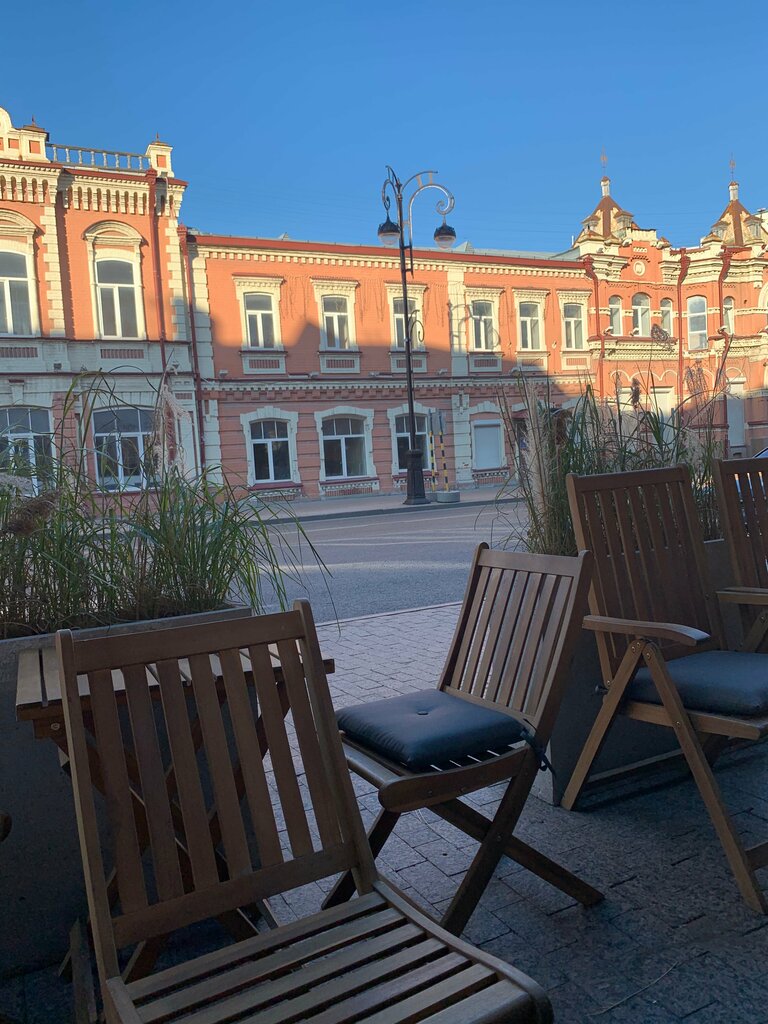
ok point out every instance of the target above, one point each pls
(729, 313)
(270, 286)
(271, 412)
(327, 287)
(141, 447)
(641, 315)
(499, 423)
(27, 438)
(347, 410)
(616, 312)
(574, 325)
(416, 296)
(392, 415)
(525, 344)
(492, 295)
(17, 235)
(666, 306)
(698, 340)
(114, 288)
(114, 240)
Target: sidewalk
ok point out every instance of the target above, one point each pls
(311, 509)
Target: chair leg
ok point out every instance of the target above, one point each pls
(491, 850)
(476, 825)
(602, 724)
(345, 887)
(705, 780)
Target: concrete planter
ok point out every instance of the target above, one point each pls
(448, 497)
(41, 878)
(629, 743)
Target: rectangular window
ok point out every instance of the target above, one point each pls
(697, 322)
(529, 325)
(15, 315)
(397, 305)
(336, 321)
(123, 441)
(116, 290)
(482, 325)
(403, 437)
(271, 453)
(260, 320)
(573, 321)
(344, 446)
(488, 448)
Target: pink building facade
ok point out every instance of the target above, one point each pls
(282, 362)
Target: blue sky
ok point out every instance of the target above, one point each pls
(283, 115)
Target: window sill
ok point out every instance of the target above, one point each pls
(258, 350)
(339, 351)
(347, 479)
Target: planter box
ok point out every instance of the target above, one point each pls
(41, 877)
(629, 745)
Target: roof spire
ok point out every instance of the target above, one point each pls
(732, 165)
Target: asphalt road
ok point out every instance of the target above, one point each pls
(393, 561)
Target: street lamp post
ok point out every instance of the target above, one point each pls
(400, 233)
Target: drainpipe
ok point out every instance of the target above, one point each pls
(193, 343)
(155, 219)
(685, 262)
(589, 269)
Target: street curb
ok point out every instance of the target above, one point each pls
(316, 517)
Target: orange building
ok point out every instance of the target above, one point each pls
(283, 361)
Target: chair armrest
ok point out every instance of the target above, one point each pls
(687, 635)
(743, 595)
(116, 997)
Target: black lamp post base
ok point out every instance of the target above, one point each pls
(415, 480)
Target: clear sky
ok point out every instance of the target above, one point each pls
(283, 115)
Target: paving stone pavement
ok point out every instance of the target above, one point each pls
(672, 940)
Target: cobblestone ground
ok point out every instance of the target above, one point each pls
(671, 942)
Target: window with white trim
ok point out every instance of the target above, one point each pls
(271, 451)
(399, 322)
(697, 322)
(336, 321)
(116, 290)
(529, 325)
(259, 319)
(123, 438)
(728, 307)
(641, 314)
(344, 446)
(573, 323)
(25, 444)
(487, 445)
(483, 333)
(614, 315)
(15, 316)
(403, 440)
(666, 315)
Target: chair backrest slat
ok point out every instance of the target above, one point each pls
(203, 768)
(519, 611)
(650, 563)
(741, 493)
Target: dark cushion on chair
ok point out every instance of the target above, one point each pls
(729, 682)
(431, 727)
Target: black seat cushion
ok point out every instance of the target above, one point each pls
(428, 728)
(729, 682)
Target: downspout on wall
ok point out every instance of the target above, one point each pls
(155, 239)
(685, 262)
(193, 343)
(589, 269)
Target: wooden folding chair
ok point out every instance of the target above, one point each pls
(377, 957)
(660, 637)
(742, 495)
(507, 665)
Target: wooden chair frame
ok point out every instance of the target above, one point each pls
(742, 496)
(376, 954)
(511, 650)
(650, 576)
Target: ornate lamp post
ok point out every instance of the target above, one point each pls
(400, 232)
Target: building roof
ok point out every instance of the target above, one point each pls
(731, 226)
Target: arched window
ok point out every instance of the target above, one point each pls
(344, 446)
(728, 308)
(260, 320)
(529, 325)
(614, 313)
(573, 321)
(403, 438)
(123, 441)
(641, 315)
(697, 322)
(116, 290)
(481, 312)
(666, 315)
(15, 315)
(25, 444)
(271, 450)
